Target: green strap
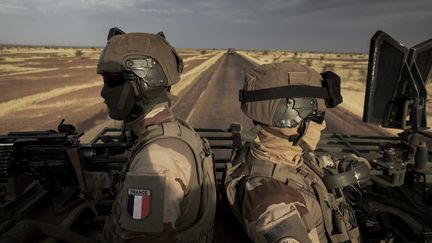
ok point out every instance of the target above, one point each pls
(328, 218)
(328, 203)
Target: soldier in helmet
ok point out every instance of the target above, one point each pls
(276, 186)
(166, 191)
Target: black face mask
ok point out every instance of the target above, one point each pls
(111, 93)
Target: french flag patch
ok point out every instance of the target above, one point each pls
(139, 202)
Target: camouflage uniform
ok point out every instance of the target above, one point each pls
(274, 185)
(167, 189)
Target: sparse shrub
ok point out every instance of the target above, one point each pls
(265, 52)
(79, 53)
(328, 67)
(295, 54)
(276, 58)
(203, 52)
(295, 60)
(308, 62)
(338, 55)
(363, 73)
(321, 58)
(2, 59)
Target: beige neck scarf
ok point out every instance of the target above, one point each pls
(312, 135)
(271, 148)
(277, 149)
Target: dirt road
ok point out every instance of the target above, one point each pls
(213, 102)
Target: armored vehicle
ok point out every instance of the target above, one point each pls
(41, 187)
(231, 51)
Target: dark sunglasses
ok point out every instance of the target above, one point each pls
(113, 80)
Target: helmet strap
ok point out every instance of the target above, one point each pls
(295, 139)
(136, 88)
(123, 96)
(301, 131)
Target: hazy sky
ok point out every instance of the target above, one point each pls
(322, 25)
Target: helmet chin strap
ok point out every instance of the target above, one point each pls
(126, 91)
(295, 139)
(123, 96)
(301, 131)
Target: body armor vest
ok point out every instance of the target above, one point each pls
(202, 228)
(339, 218)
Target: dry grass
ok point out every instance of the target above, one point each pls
(22, 60)
(350, 66)
(38, 52)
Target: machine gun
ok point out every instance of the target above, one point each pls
(36, 170)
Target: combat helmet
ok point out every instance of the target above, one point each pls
(287, 95)
(137, 68)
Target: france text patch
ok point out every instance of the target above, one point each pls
(142, 202)
(139, 203)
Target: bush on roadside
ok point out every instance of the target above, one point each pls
(363, 74)
(328, 67)
(79, 53)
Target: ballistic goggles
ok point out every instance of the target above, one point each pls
(138, 68)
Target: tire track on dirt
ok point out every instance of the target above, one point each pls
(24, 102)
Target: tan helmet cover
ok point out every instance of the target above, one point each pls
(276, 75)
(121, 46)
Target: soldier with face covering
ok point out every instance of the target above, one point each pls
(166, 191)
(275, 185)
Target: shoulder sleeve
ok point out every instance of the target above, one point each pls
(171, 159)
